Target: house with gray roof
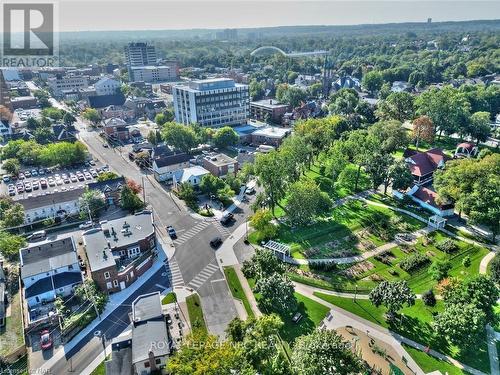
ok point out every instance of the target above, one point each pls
(120, 250)
(49, 269)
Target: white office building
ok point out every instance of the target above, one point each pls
(106, 86)
(140, 54)
(152, 73)
(67, 83)
(212, 102)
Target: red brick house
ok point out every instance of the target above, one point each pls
(220, 165)
(120, 250)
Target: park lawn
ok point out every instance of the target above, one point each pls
(169, 298)
(312, 314)
(237, 290)
(344, 221)
(12, 335)
(429, 363)
(415, 325)
(195, 313)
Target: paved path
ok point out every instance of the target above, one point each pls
(492, 350)
(342, 318)
(483, 266)
(248, 291)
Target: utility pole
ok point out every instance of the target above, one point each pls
(143, 190)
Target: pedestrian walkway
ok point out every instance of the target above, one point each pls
(203, 276)
(483, 266)
(183, 237)
(225, 253)
(492, 350)
(174, 273)
(247, 290)
(344, 318)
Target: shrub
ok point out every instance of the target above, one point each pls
(428, 298)
(323, 266)
(466, 262)
(414, 262)
(447, 245)
(439, 270)
(495, 269)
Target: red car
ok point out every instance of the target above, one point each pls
(45, 339)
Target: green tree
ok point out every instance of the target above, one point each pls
(393, 295)
(261, 222)
(69, 119)
(439, 270)
(377, 166)
(10, 245)
(12, 166)
(276, 293)
(462, 324)
(262, 264)
(53, 113)
(179, 136)
(423, 130)
(256, 89)
(388, 136)
(480, 128)
(372, 81)
(154, 137)
(186, 192)
(397, 106)
(290, 95)
(324, 352)
(129, 200)
(400, 175)
(93, 202)
(92, 115)
(43, 135)
(305, 201)
(108, 175)
(164, 117)
(211, 184)
(271, 172)
(225, 137)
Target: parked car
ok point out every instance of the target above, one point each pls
(216, 242)
(6, 178)
(27, 186)
(43, 183)
(36, 236)
(86, 225)
(35, 184)
(45, 339)
(171, 232)
(226, 218)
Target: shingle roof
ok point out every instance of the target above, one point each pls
(101, 101)
(109, 185)
(51, 199)
(175, 158)
(423, 163)
(429, 196)
(46, 256)
(59, 280)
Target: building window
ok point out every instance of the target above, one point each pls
(106, 275)
(108, 285)
(115, 283)
(70, 267)
(158, 361)
(146, 364)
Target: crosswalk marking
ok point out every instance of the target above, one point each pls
(190, 233)
(222, 229)
(203, 276)
(174, 273)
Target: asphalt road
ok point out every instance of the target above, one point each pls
(194, 256)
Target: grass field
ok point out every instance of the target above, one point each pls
(195, 313)
(429, 363)
(169, 298)
(237, 289)
(312, 314)
(100, 370)
(415, 324)
(11, 335)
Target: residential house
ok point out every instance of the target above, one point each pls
(190, 175)
(103, 101)
(400, 86)
(427, 199)
(116, 129)
(466, 150)
(24, 102)
(58, 204)
(110, 189)
(48, 269)
(166, 162)
(120, 250)
(154, 107)
(146, 347)
(64, 133)
(107, 86)
(423, 164)
(346, 82)
(117, 111)
(220, 165)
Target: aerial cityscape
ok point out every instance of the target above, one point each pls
(315, 191)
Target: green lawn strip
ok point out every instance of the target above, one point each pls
(11, 335)
(169, 298)
(429, 363)
(195, 312)
(100, 370)
(312, 314)
(415, 325)
(237, 290)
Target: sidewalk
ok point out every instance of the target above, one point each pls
(248, 291)
(343, 318)
(225, 254)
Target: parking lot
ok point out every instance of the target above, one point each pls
(35, 182)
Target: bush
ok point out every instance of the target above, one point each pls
(439, 270)
(428, 298)
(323, 266)
(447, 245)
(466, 262)
(414, 262)
(495, 269)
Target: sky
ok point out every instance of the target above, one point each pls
(95, 15)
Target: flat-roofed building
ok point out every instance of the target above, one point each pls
(268, 110)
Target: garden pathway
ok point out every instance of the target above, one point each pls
(247, 290)
(342, 318)
(483, 266)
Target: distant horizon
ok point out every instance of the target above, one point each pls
(174, 15)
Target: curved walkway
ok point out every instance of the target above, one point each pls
(483, 266)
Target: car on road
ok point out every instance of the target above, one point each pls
(36, 236)
(216, 242)
(45, 339)
(86, 225)
(171, 232)
(105, 145)
(226, 218)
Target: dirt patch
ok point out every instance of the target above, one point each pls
(358, 269)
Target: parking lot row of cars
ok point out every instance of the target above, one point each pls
(56, 180)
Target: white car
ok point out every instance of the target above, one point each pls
(52, 182)
(73, 178)
(59, 181)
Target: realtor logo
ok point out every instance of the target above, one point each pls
(29, 38)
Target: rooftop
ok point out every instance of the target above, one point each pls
(55, 198)
(186, 173)
(146, 307)
(268, 103)
(47, 255)
(220, 160)
(272, 132)
(123, 232)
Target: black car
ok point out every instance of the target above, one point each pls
(226, 218)
(216, 242)
(171, 232)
